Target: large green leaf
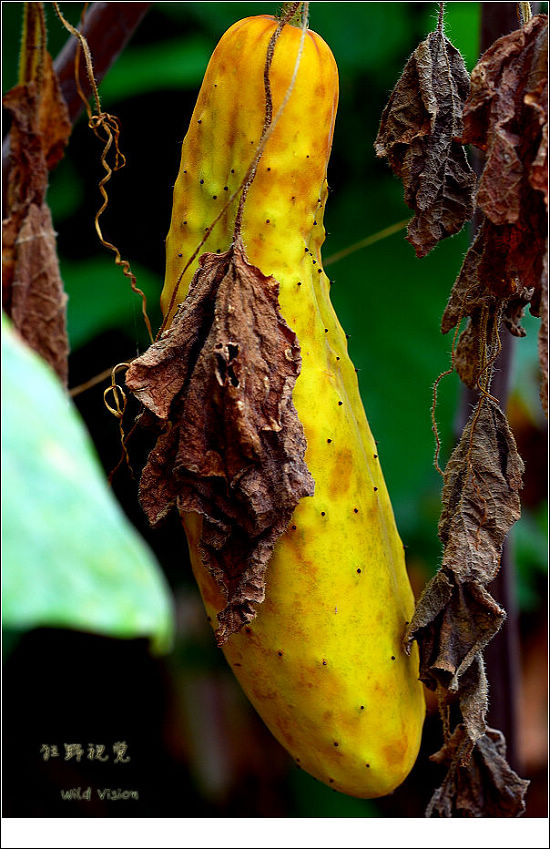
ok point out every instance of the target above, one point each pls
(71, 558)
(174, 64)
(100, 298)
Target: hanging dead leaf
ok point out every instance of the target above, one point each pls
(418, 134)
(456, 616)
(32, 286)
(479, 782)
(222, 378)
(480, 495)
(506, 115)
(38, 299)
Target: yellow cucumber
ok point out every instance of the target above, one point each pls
(323, 662)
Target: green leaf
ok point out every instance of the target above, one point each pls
(71, 558)
(175, 64)
(100, 298)
(311, 798)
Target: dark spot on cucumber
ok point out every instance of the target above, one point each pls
(355, 510)
(393, 657)
(329, 440)
(323, 513)
(201, 182)
(335, 743)
(376, 489)
(340, 403)
(359, 571)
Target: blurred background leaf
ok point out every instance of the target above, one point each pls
(71, 559)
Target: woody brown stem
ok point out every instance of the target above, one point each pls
(107, 27)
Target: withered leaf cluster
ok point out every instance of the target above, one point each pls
(33, 292)
(479, 782)
(456, 616)
(506, 116)
(221, 379)
(418, 134)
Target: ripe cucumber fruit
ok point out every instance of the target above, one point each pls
(322, 662)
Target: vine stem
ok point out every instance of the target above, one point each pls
(269, 122)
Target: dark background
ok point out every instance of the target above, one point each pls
(197, 748)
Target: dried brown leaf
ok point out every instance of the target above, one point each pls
(490, 277)
(468, 294)
(466, 355)
(480, 495)
(38, 298)
(456, 616)
(506, 115)
(510, 76)
(479, 782)
(222, 376)
(32, 285)
(54, 124)
(418, 132)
